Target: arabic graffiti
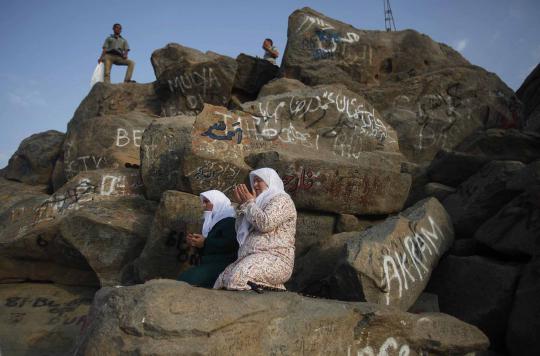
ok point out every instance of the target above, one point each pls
(302, 180)
(228, 136)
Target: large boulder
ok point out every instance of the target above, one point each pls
(322, 50)
(427, 91)
(481, 196)
(218, 149)
(529, 94)
(252, 74)
(34, 160)
(477, 290)
(499, 144)
(312, 227)
(87, 233)
(523, 325)
(42, 319)
(166, 254)
(514, 231)
(391, 262)
(107, 127)
(280, 86)
(166, 317)
(188, 78)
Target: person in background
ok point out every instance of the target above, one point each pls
(217, 244)
(265, 230)
(115, 51)
(270, 52)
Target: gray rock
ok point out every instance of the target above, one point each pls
(498, 144)
(478, 291)
(391, 263)
(312, 228)
(523, 325)
(166, 254)
(34, 160)
(188, 78)
(85, 231)
(42, 319)
(514, 231)
(529, 94)
(280, 86)
(106, 129)
(452, 168)
(165, 318)
(428, 92)
(481, 196)
(252, 74)
(426, 303)
(312, 271)
(437, 190)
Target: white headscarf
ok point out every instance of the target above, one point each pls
(221, 209)
(275, 187)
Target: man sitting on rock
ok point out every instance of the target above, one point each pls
(270, 52)
(115, 51)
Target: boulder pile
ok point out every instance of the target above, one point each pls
(415, 174)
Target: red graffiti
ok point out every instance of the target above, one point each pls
(303, 180)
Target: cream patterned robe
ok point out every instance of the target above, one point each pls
(267, 255)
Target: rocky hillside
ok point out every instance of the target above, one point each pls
(416, 177)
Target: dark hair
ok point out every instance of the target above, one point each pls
(270, 40)
(116, 24)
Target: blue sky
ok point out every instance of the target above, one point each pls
(50, 48)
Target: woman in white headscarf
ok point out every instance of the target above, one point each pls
(265, 230)
(217, 244)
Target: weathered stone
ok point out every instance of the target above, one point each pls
(347, 223)
(452, 168)
(280, 86)
(91, 225)
(497, 144)
(439, 110)
(104, 142)
(312, 270)
(312, 228)
(426, 303)
(523, 325)
(221, 142)
(514, 230)
(427, 91)
(188, 78)
(41, 319)
(13, 192)
(529, 94)
(481, 196)
(391, 263)
(165, 318)
(478, 291)
(437, 190)
(164, 144)
(252, 74)
(117, 231)
(321, 50)
(327, 117)
(341, 186)
(34, 160)
(465, 247)
(117, 99)
(166, 254)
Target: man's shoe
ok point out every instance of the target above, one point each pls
(129, 81)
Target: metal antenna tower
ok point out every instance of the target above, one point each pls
(388, 17)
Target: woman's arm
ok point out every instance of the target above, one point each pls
(277, 211)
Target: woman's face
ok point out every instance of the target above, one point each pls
(207, 204)
(259, 185)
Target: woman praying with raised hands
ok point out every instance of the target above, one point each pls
(265, 230)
